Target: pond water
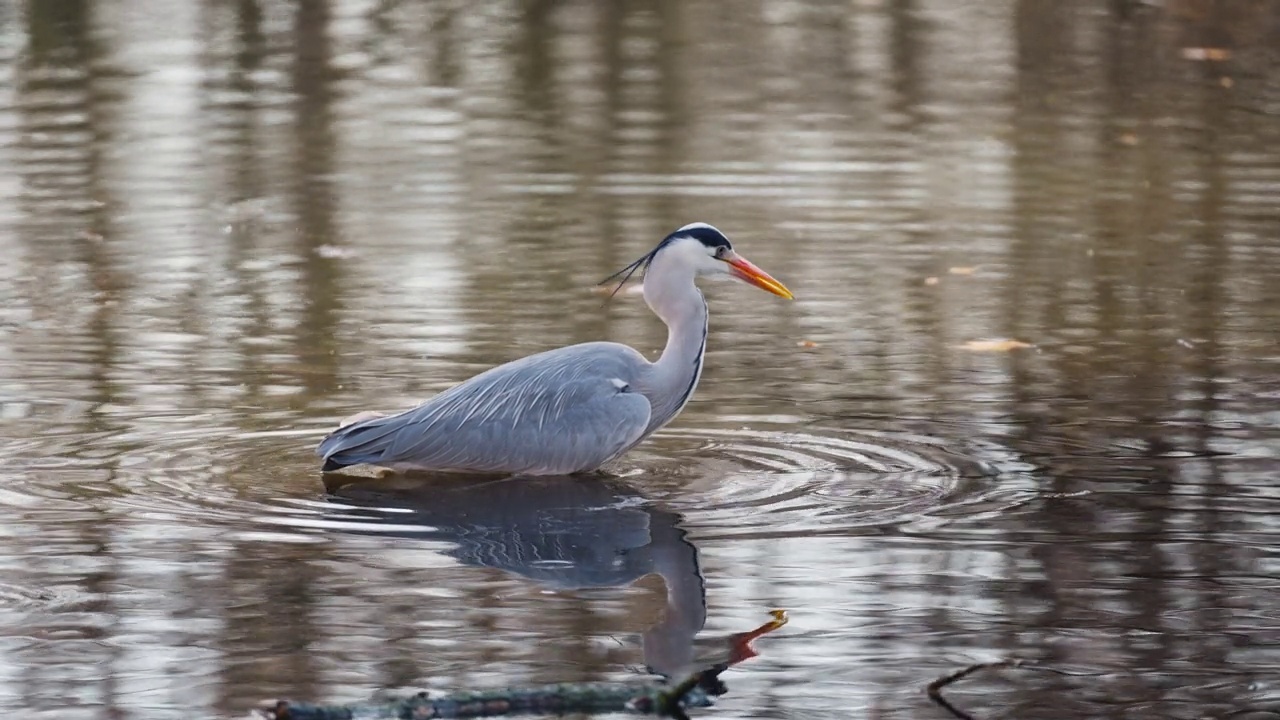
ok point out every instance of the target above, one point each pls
(1024, 405)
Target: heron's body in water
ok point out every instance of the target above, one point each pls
(567, 410)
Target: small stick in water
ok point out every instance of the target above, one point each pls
(934, 689)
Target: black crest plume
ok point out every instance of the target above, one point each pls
(701, 232)
(626, 272)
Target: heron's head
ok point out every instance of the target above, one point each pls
(708, 252)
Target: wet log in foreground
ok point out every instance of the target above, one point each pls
(658, 699)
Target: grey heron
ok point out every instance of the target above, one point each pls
(568, 410)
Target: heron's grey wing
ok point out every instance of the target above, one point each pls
(563, 411)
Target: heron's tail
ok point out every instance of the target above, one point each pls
(359, 439)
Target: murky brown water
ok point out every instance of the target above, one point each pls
(227, 224)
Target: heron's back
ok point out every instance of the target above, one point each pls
(557, 412)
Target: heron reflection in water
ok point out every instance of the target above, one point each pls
(568, 410)
(564, 533)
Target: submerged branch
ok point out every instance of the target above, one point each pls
(934, 689)
(658, 699)
(589, 698)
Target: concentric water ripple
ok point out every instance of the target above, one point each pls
(871, 451)
(169, 469)
(730, 481)
(789, 482)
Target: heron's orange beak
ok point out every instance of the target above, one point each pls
(744, 270)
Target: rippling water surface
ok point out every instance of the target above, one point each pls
(1025, 403)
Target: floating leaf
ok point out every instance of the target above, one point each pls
(1211, 54)
(1000, 345)
(335, 252)
(963, 270)
(807, 344)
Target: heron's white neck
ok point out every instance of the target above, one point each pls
(670, 292)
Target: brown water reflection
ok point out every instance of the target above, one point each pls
(227, 224)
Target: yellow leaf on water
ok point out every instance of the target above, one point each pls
(1001, 345)
(1215, 54)
(807, 344)
(335, 252)
(962, 270)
